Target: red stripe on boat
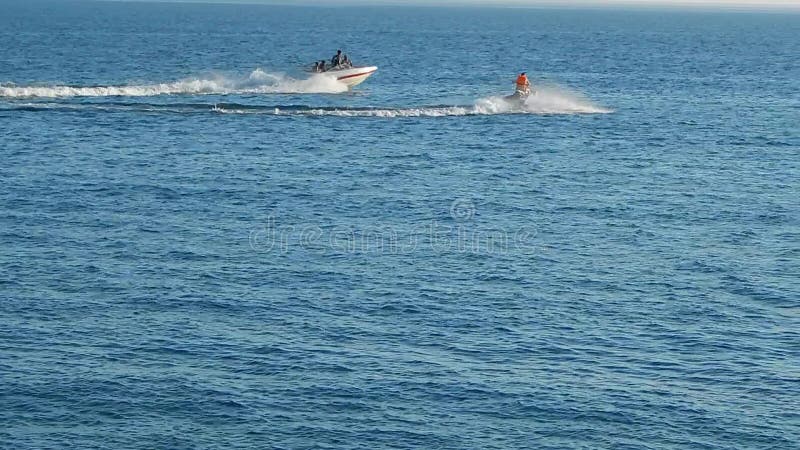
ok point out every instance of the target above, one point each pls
(357, 74)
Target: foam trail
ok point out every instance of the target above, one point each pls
(484, 107)
(258, 82)
(490, 106)
(547, 100)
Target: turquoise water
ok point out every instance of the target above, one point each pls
(202, 247)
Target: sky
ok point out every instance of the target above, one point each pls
(703, 3)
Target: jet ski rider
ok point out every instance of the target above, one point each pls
(523, 85)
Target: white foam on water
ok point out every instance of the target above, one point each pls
(257, 82)
(552, 99)
(546, 100)
(442, 111)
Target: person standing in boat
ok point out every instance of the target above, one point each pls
(337, 59)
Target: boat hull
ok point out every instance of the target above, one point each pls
(353, 76)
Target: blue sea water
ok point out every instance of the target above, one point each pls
(204, 247)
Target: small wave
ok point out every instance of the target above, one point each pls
(257, 82)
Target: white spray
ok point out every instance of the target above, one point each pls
(257, 82)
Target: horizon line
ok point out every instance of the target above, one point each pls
(681, 5)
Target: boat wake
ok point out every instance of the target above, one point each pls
(257, 82)
(546, 101)
(163, 99)
(484, 107)
(550, 99)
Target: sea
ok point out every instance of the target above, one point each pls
(205, 246)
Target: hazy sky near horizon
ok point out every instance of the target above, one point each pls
(735, 4)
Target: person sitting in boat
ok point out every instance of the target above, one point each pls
(320, 66)
(346, 63)
(523, 85)
(337, 59)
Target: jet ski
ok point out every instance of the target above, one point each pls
(518, 97)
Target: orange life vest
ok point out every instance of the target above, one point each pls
(522, 80)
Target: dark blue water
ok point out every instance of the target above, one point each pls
(201, 247)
